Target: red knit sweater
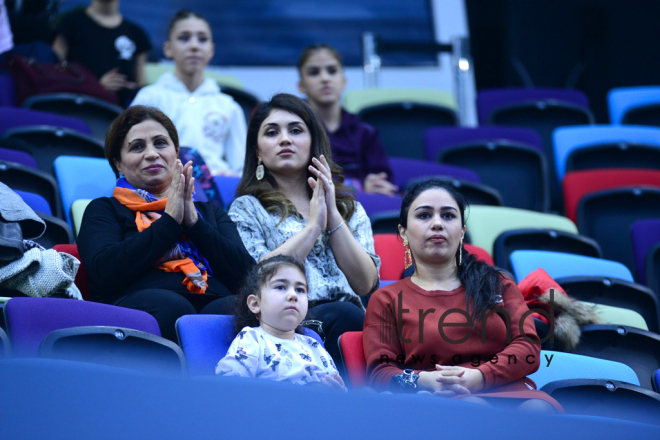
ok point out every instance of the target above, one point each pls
(501, 362)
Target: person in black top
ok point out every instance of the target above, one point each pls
(112, 48)
(151, 247)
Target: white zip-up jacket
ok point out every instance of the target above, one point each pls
(207, 120)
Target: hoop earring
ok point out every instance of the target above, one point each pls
(261, 171)
(407, 257)
(460, 253)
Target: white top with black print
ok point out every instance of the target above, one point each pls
(256, 353)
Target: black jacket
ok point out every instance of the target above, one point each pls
(120, 260)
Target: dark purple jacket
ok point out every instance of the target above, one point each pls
(356, 147)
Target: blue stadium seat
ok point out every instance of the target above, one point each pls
(559, 264)
(606, 398)
(604, 146)
(205, 340)
(227, 186)
(573, 366)
(624, 102)
(83, 178)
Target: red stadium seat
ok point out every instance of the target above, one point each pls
(352, 352)
(389, 248)
(577, 184)
(480, 253)
(82, 278)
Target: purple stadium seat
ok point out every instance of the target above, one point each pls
(19, 157)
(492, 99)
(645, 234)
(405, 170)
(30, 320)
(439, 138)
(18, 117)
(542, 109)
(509, 159)
(7, 91)
(375, 203)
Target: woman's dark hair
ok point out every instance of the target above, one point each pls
(266, 189)
(311, 50)
(256, 279)
(123, 124)
(483, 282)
(183, 14)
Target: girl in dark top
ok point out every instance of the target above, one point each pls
(151, 247)
(111, 47)
(355, 144)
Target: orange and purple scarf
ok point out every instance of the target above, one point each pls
(183, 256)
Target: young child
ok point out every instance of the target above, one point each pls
(207, 120)
(111, 47)
(355, 144)
(270, 343)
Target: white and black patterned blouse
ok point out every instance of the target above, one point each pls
(261, 235)
(255, 353)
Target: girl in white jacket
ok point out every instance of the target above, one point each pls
(207, 120)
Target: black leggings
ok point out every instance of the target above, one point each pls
(167, 306)
(336, 318)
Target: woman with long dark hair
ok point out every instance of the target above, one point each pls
(457, 326)
(292, 201)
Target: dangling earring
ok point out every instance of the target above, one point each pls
(407, 258)
(260, 170)
(460, 253)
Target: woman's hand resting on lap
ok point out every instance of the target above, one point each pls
(428, 380)
(469, 379)
(448, 381)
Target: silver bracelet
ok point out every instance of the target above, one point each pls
(335, 228)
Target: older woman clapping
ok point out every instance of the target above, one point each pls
(151, 247)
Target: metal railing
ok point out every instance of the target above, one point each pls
(461, 64)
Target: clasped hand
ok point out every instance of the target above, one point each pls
(449, 381)
(180, 204)
(334, 382)
(115, 81)
(323, 211)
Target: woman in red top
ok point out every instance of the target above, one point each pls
(457, 327)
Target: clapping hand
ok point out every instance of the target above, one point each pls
(318, 213)
(321, 169)
(190, 215)
(180, 204)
